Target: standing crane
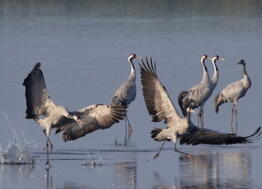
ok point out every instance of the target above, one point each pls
(196, 96)
(233, 92)
(74, 124)
(214, 78)
(126, 93)
(161, 108)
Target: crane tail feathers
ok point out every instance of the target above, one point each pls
(155, 132)
(206, 136)
(254, 136)
(218, 101)
(159, 134)
(180, 102)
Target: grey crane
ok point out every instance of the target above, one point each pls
(74, 124)
(161, 108)
(196, 96)
(215, 76)
(126, 93)
(233, 92)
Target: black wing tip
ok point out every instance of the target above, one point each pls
(31, 116)
(155, 132)
(148, 65)
(254, 136)
(37, 65)
(203, 136)
(36, 68)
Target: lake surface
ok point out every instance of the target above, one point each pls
(83, 46)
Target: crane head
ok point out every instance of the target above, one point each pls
(215, 58)
(132, 56)
(204, 57)
(242, 62)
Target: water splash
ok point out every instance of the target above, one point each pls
(16, 151)
(15, 156)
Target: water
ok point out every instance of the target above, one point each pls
(84, 45)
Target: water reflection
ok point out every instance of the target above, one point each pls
(126, 173)
(15, 175)
(125, 168)
(49, 179)
(74, 185)
(212, 170)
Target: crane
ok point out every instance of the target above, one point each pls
(81, 122)
(214, 78)
(233, 92)
(126, 93)
(196, 96)
(161, 108)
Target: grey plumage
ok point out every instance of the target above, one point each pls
(73, 124)
(39, 102)
(126, 93)
(196, 96)
(94, 117)
(161, 108)
(233, 92)
(215, 76)
(36, 94)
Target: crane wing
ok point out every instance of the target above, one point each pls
(125, 94)
(37, 98)
(158, 102)
(93, 117)
(233, 89)
(197, 136)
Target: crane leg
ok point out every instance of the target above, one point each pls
(157, 154)
(236, 128)
(130, 130)
(50, 146)
(198, 120)
(186, 154)
(202, 117)
(198, 117)
(125, 140)
(232, 118)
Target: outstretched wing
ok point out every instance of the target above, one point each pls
(93, 117)
(157, 100)
(37, 98)
(197, 136)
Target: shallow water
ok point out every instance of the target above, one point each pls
(84, 45)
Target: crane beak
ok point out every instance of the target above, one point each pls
(221, 59)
